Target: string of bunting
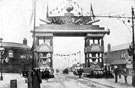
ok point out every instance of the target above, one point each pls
(68, 54)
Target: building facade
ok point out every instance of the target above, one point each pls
(16, 57)
(118, 56)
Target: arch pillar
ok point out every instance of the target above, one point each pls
(44, 48)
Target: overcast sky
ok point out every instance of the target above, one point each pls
(15, 21)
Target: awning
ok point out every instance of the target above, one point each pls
(120, 62)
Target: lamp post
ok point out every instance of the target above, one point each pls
(1, 52)
(133, 77)
(80, 58)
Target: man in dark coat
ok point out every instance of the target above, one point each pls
(116, 72)
(125, 73)
(36, 79)
(80, 71)
(46, 74)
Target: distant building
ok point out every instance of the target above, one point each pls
(118, 56)
(16, 57)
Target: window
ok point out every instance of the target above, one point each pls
(89, 54)
(122, 55)
(41, 41)
(96, 41)
(91, 41)
(10, 53)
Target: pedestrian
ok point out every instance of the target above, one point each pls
(29, 78)
(80, 72)
(57, 71)
(125, 73)
(116, 71)
(120, 72)
(46, 74)
(36, 79)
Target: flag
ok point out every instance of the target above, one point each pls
(47, 14)
(33, 10)
(77, 5)
(33, 47)
(58, 11)
(74, 3)
(50, 12)
(79, 13)
(92, 12)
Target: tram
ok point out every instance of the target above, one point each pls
(45, 59)
(45, 64)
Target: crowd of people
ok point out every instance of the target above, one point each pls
(45, 74)
(35, 77)
(118, 72)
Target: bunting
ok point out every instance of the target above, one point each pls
(73, 54)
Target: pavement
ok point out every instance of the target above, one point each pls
(111, 82)
(7, 77)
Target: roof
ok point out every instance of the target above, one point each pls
(14, 45)
(120, 62)
(120, 47)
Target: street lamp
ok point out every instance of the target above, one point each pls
(1, 52)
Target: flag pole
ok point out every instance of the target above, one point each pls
(34, 19)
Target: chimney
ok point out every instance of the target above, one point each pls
(109, 48)
(25, 41)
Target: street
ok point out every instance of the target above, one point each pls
(60, 81)
(70, 81)
(64, 81)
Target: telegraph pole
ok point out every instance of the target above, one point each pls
(133, 56)
(80, 58)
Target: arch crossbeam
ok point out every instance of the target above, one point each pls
(69, 30)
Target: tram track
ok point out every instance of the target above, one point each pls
(90, 83)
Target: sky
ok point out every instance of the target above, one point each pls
(15, 24)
